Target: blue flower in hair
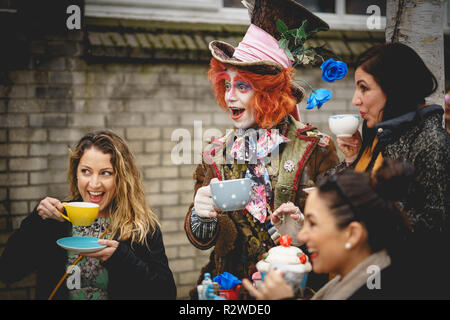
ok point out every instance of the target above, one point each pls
(317, 98)
(333, 70)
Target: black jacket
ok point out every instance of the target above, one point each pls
(134, 273)
(419, 137)
(394, 284)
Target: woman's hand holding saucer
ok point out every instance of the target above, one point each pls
(105, 253)
(49, 208)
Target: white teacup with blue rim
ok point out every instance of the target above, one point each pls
(231, 195)
(343, 125)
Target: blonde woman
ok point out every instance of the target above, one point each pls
(133, 265)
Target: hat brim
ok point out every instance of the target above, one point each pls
(223, 52)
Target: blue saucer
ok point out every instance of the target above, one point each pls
(80, 244)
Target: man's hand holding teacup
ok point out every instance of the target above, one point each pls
(204, 203)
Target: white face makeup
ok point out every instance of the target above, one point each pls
(238, 94)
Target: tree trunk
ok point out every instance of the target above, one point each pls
(419, 24)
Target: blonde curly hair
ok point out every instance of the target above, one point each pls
(131, 217)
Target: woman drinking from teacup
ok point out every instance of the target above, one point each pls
(392, 83)
(353, 229)
(132, 264)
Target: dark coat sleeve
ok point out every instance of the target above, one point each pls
(429, 202)
(140, 272)
(394, 284)
(30, 246)
(20, 255)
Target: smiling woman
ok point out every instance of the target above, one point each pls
(130, 263)
(352, 225)
(95, 179)
(102, 170)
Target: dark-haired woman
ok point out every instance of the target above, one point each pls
(353, 229)
(392, 83)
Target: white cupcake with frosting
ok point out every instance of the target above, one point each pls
(286, 258)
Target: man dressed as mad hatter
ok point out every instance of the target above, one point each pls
(253, 83)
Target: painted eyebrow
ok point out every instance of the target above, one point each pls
(243, 83)
(241, 78)
(222, 76)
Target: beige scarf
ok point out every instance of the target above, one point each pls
(343, 288)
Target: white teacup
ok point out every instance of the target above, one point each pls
(343, 125)
(309, 190)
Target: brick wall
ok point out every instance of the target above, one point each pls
(48, 103)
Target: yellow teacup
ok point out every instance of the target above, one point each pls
(80, 213)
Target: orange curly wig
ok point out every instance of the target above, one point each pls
(273, 99)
